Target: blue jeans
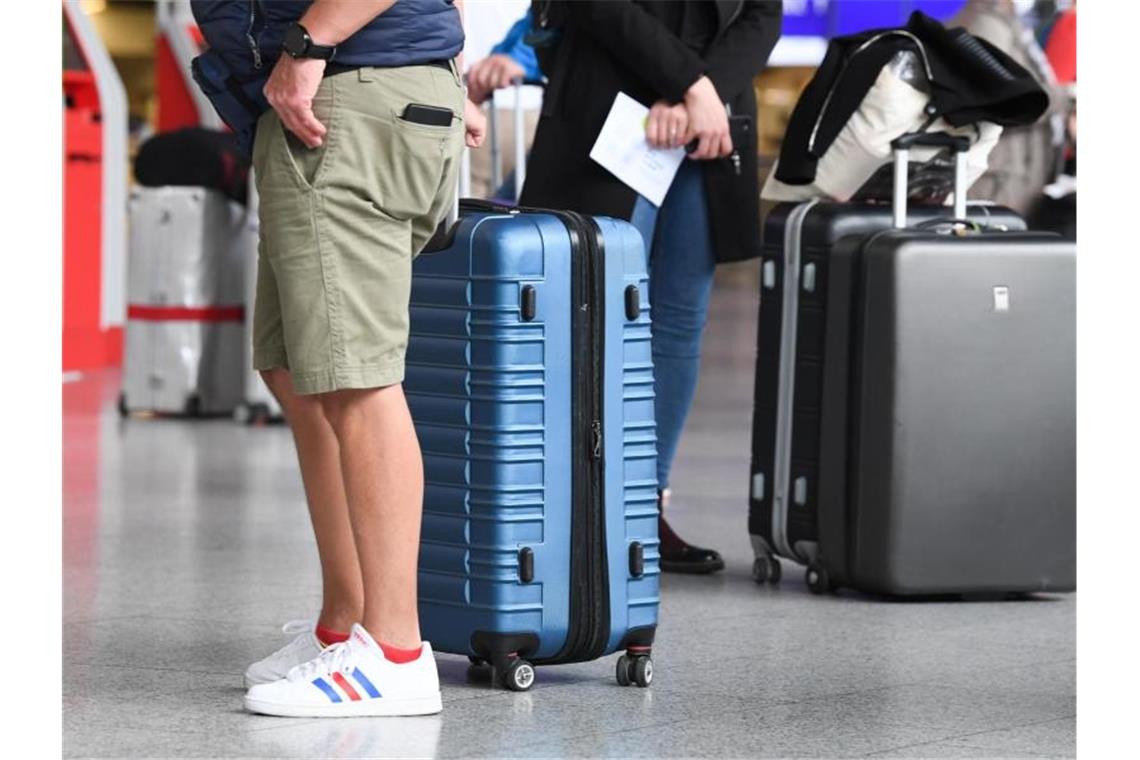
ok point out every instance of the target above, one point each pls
(681, 266)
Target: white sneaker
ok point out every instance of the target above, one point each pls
(352, 678)
(277, 665)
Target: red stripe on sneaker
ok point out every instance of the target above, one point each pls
(343, 683)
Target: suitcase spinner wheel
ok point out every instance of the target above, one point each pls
(519, 675)
(255, 413)
(766, 569)
(635, 667)
(818, 579)
(514, 673)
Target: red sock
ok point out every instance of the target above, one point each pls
(328, 637)
(400, 656)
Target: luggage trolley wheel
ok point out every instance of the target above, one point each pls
(766, 570)
(193, 406)
(251, 414)
(518, 675)
(635, 668)
(817, 578)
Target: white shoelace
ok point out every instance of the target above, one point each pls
(332, 659)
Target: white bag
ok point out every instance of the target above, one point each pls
(892, 107)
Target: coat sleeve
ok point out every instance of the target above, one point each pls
(641, 42)
(743, 50)
(514, 45)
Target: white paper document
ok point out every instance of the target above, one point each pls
(623, 150)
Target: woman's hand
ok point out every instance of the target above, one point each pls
(475, 123)
(492, 73)
(667, 126)
(708, 121)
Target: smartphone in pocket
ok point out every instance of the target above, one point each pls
(432, 116)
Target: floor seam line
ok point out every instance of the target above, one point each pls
(974, 733)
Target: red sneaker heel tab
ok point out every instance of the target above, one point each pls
(401, 656)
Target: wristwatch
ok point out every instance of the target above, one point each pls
(299, 44)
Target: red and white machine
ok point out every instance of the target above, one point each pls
(94, 198)
(180, 102)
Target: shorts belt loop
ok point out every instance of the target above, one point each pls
(364, 73)
(454, 65)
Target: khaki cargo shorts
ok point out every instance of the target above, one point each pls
(341, 223)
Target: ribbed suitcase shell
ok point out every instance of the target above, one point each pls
(491, 396)
(188, 248)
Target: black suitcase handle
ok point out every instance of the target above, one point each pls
(957, 143)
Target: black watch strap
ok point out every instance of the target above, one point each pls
(299, 44)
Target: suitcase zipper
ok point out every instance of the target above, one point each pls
(589, 623)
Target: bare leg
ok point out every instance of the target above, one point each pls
(319, 457)
(384, 480)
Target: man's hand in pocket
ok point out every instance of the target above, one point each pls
(290, 91)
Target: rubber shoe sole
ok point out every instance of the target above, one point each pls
(251, 682)
(370, 708)
(692, 568)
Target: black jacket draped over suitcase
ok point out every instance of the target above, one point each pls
(971, 81)
(650, 51)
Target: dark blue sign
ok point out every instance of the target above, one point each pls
(831, 18)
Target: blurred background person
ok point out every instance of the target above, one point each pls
(1058, 209)
(1025, 159)
(499, 54)
(692, 62)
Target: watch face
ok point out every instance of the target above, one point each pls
(296, 40)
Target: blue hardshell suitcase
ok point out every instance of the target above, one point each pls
(530, 380)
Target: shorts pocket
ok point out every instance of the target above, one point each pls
(410, 166)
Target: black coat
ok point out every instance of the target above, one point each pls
(650, 51)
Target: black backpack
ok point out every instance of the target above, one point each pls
(195, 157)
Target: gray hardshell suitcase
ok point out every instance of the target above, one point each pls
(185, 334)
(896, 407)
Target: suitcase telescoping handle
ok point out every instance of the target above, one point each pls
(901, 147)
(520, 138)
(496, 154)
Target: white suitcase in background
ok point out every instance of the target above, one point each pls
(185, 331)
(257, 404)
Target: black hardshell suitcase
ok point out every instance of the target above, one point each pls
(799, 504)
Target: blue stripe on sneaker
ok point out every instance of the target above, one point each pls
(321, 684)
(363, 680)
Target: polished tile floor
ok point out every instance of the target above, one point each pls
(186, 546)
